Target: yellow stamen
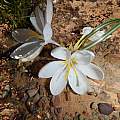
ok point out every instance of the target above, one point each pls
(70, 64)
(67, 67)
(63, 62)
(76, 74)
(67, 72)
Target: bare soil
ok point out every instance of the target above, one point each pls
(23, 96)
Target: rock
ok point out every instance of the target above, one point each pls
(105, 108)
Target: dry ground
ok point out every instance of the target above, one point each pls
(25, 97)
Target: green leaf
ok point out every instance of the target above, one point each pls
(109, 32)
(99, 27)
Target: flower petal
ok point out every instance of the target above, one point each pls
(78, 83)
(91, 71)
(39, 16)
(49, 11)
(32, 55)
(97, 35)
(83, 57)
(60, 53)
(50, 69)
(58, 82)
(23, 35)
(27, 51)
(47, 32)
(92, 55)
(35, 24)
(52, 42)
(87, 30)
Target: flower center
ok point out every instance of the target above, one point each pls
(70, 64)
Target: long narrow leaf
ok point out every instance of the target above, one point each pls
(108, 21)
(104, 24)
(109, 32)
(101, 26)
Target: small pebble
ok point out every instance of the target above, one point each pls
(105, 108)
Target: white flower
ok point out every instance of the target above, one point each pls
(34, 43)
(43, 26)
(72, 68)
(96, 36)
